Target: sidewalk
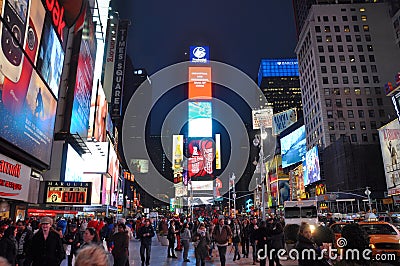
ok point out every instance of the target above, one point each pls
(159, 256)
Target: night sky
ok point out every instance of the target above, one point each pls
(239, 33)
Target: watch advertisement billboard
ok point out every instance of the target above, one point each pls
(68, 193)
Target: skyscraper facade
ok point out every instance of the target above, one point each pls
(346, 53)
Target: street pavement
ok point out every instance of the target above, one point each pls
(159, 256)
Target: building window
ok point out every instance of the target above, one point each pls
(359, 102)
(325, 80)
(373, 125)
(344, 18)
(331, 126)
(332, 137)
(357, 91)
(353, 69)
(328, 102)
(362, 58)
(350, 114)
(381, 113)
(322, 59)
(317, 29)
(356, 28)
(332, 59)
(363, 68)
(319, 38)
(327, 29)
(327, 91)
(360, 113)
(369, 102)
(360, 48)
(342, 58)
(337, 28)
(345, 80)
(338, 102)
(336, 91)
(367, 90)
(378, 90)
(328, 38)
(358, 38)
(330, 48)
(352, 58)
(340, 114)
(370, 48)
(347, 90)
(375, 79)
(329, 114)
(352, 125)
(364, 18)
(320, 48)
(338, 38)
(355, 79)
(379, 101)
(375, 137)
(366, 28)
(353, 18)
(367, 37)
(346, 28)
(348, 38)
(362, 125)
(335, 80)
(371, 113)
(364, 137)
(350, 48)
(341, 126)
(349, 102)
(353, 137)
(373, 69)
(325, 18)
(343, 69)
(333, 69)
(323, 69)
(365, 79)
(340, 48)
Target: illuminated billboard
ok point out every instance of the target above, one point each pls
(200, 119)
(297, 190)
(217, 151)
(293, 147)
(73, 165)
(177, 153)
(283, 120)
(200, 157)
(139, 166)
(312, 169)
(95, 180)
(389, 137)
(68, 193)
(113, 168)
(84, 78)
(199, 54)
(98, 116)
(200, 83)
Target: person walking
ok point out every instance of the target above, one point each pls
(201, 241)
(261, 240)
(72, 240)
(245, 241)
(121, 245)
(171, 239)
(252, 238)
(145, 235)
(275, 242)
(8, 245)
(236, 231)
(24, 235)
(45, 247)
(221, 234)
(186, 236)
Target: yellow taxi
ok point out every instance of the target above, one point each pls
(337, 229)
(384, 237)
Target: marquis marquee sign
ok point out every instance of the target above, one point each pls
(68, 193)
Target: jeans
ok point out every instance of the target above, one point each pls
(237, 253)
(253, 245)
(171, 243)
(245, 246)
(145, 247)
(222, 254)
(185, 244)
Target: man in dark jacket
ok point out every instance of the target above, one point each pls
(73, 240)
(121, 246)
(252, 235)
(8, 245)
(45, 247)
(221, 234)
(145, 234)
(24, 235)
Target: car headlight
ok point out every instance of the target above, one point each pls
(312, 227)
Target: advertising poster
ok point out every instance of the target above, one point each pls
(84, 79)
(113, 170)
(74, 165)
(284, 191)
(68, 193)
(14, 179)
(95, 180)
(177, 153)
(262, 117)
(283, 120)
(109, 55)
(139, 166)
(200, 119)
(200, 158)
(312, 170)
(217, 151)
(199, 54)
(297, 183)
(293, 147)
(98, 116)
(389, 137)
(105, 190)
(200, 83)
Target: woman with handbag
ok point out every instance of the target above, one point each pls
(236, 231)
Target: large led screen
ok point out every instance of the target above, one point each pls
(200, 157)
(200, 83)
(312, 170)
(84, 80)
(113, 168)
(73, 165)
(293, 147)
(98, 116)
(95, 179)
(50, 51)
(200, 122)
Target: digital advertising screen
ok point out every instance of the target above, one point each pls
(284, 191)
(98, 116)
(84, 80)
(312, 169)
(113, 167)
(68, 193)
(73, 165)
(293, 147)
(177, 153)
(200, 83)
(50, 52)
(96, 160)
(95, 180)
(283, 120)
(200, 157)
(139, 166)
(200, 119)
(199, 54)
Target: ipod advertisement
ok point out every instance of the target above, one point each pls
(27, 104)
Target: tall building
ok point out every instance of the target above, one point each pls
(346, 53)
(301, 8)
(279, 81)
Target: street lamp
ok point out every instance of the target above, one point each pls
(368, 193)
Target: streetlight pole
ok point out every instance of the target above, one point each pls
(234, 194)
(262, 177)
(368, 193)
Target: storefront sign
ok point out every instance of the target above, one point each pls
(14, 179)
(76, 193)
